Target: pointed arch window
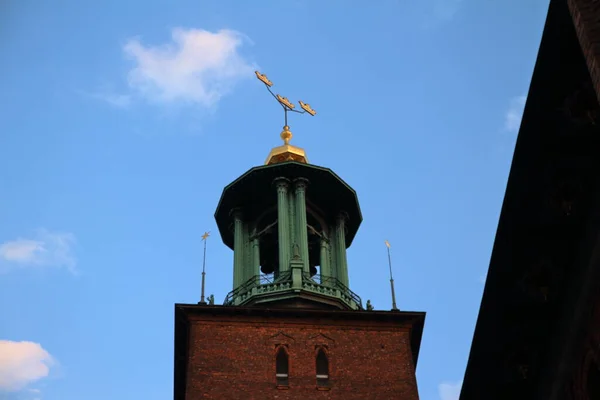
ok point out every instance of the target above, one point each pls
(282, 367)
(322, 368)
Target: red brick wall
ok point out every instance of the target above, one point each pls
(586, 17)
(234, 359)
(588, 352)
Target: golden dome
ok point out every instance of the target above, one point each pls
(287, 152)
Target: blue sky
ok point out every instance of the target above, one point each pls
(121, 122)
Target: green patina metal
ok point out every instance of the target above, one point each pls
(283, 226)
(275, 233)
(333, 254)
(301, 228)
(255, 259)
(342, 264)
(247, 265)
(251, 191)
(292, 282)
(292, 218)
(238, 250)
(325, 259)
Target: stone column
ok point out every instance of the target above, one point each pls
(238, 247)
(340, 233)
(283, 228)
(301, 227)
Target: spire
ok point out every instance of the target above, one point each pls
(204, 238)
(287, 152)
(394, 307)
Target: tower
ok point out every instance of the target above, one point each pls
(291, 327)
(289, 224)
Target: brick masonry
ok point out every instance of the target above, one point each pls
(586, 18)
(234, 357)
(588, 355)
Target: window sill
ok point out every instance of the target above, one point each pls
(283, 387)
(324, 388)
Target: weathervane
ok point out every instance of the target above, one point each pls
(286, 135)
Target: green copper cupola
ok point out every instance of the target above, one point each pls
(289, 224)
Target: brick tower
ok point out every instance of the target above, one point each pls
(291, 328)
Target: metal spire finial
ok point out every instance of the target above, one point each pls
(394, 307)
(204, 239)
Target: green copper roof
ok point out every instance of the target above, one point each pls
(253, 192)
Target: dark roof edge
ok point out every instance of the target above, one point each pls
(262, 167)
(300, 312)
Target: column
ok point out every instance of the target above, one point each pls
(283, 229)
(238, 247)
(292, 219)
(247, 263)
(340, 233)
(301, 228)
(256, 259)
(324, 259)
(334, 268)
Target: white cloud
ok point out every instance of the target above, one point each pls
(512, 120)
(449, 391)
(44, 249)
(22, 363)
(197, 66)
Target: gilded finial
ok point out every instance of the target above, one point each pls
(286, 152)
(286, 135)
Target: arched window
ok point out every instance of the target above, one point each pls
(282, 367)
(322, 369)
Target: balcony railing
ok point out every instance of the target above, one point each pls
(262, 280)
(264, 284)
(318, 282)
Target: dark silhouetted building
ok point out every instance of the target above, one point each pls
(538, 331)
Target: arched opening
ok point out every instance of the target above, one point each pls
(593, 381)
(316, 229)
(266, 229)
(282, 367)
(322, 368)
